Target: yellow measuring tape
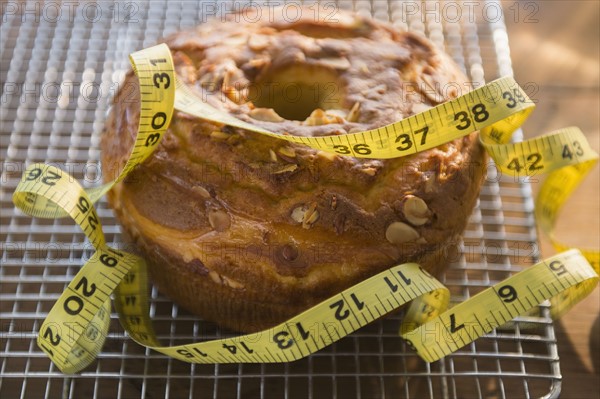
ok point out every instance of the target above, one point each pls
(75, 329)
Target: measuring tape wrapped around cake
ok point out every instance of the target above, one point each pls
(301, 179)
(247, 230)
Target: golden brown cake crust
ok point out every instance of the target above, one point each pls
(247, 230)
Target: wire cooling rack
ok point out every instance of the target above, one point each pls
(61, 63)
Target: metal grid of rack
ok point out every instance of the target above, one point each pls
(61, 63)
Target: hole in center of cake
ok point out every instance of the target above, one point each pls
(294, 92)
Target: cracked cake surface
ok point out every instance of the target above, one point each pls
(248, 230)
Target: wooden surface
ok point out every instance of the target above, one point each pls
(560, 54)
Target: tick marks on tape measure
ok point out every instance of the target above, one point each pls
(538, 300)
(499, 322)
